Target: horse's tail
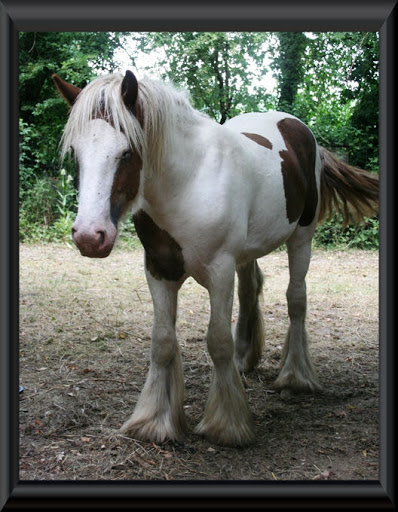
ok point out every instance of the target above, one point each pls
(351, 191)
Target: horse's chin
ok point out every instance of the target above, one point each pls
(99, 255)
(90, 252)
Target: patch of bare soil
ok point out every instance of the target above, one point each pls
(85, 328)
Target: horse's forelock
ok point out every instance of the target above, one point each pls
(101, 99)
(147, 133)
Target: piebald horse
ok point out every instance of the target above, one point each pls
(207, 200)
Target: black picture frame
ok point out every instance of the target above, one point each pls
(133, 15)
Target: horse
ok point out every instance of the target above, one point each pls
(207, 201)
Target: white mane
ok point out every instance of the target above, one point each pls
(159, 104)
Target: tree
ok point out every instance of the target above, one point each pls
(218, 68)
(365, 92)
(338, 93)
(289, 67)
(78, 57)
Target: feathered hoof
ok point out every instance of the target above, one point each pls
(153, 429)
(293, 383)
(236, 436)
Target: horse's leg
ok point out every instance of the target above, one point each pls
(249, 332)
(297, 372)
(227, 419)
(159, 413)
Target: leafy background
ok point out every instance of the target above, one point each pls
(329, 80)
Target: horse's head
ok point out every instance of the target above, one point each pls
(109, 166)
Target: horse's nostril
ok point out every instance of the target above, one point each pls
(101, 236)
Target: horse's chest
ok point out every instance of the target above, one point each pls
(163, 255)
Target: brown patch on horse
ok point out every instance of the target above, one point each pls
(163, 255)
(259, 139)
(125, 185)
(298, 171)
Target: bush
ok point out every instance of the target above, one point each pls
(47, 209)
(331, 234)
(37, 210)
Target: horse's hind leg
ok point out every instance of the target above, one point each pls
(159, 413)
(297, 372)
(249, 332)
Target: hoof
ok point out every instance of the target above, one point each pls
(153, 429)
(238, 437)
(289, 383)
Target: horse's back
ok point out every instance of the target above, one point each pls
(261, 123)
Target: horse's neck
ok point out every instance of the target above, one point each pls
(181, 158)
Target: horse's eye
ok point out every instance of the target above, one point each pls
(126, 154)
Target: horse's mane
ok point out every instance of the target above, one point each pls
(159, 106)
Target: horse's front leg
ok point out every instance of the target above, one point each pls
(227, 419)
(159, 413)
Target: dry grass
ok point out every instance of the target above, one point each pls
(85, 330)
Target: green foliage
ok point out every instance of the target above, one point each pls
(37, 211)
(330, 234)
(218, 68)
(288, 66)
(329, 80)
(77, 57)
(338, 96)
(66, 204)
(365, 95)
(26, 155)
(127, 234)
(47, 211)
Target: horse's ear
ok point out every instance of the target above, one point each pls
(129, 90)
(68, 91)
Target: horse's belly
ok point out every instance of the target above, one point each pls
(264, 238)
(268, 226)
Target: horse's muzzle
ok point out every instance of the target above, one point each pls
(93, 241)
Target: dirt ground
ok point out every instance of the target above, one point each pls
(85, 329)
